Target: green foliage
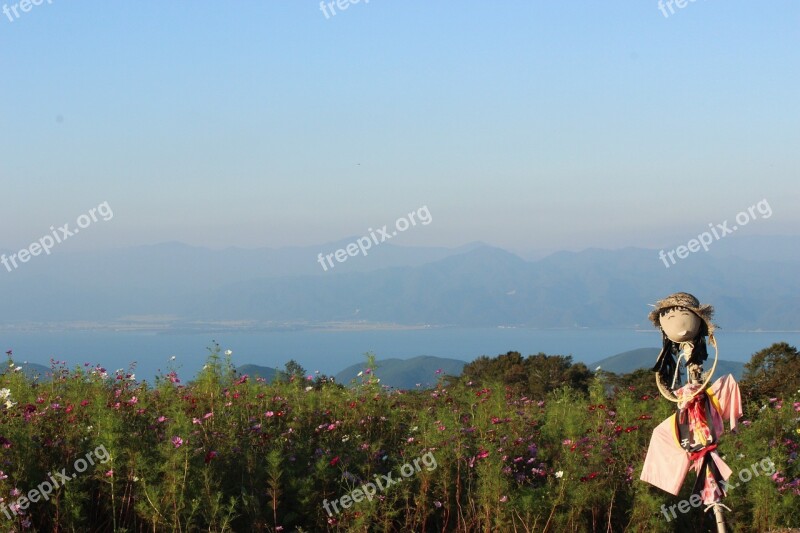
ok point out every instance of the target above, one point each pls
(535, 375)
(293, 372)
(772, 372)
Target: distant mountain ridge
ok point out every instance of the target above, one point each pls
(471, 286)
(422, 370)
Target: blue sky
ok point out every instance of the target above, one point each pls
(528, 125)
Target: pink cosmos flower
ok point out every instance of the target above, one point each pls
(177, 441)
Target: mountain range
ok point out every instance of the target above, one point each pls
(423, 371)
(752, 282)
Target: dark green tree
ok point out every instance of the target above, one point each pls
(293, 371)
(772, 372)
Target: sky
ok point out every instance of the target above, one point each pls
(524, 124)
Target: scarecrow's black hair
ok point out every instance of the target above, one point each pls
(666, 365)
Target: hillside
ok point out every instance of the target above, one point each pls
(407, 373)
(33, 370)
(625, 362)
(258, 371)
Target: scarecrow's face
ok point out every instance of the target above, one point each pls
(679, 324)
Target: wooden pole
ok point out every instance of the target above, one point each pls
(719, 517)
(695, 375)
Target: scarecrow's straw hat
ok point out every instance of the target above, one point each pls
(684, 299)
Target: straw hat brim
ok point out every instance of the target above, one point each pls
(704, 311)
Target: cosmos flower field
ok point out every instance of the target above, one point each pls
(227, 452)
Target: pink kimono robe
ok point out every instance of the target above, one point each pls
(667, 463)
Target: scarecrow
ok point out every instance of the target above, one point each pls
(689, 437)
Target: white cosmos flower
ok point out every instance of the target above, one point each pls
(228, 352)
(560, 474)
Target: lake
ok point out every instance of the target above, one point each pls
(332, 351)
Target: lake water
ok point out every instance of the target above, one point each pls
(332, 351)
